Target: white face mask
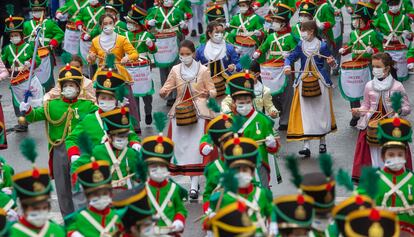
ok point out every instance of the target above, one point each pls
(37, 14)
(378, 72)
(107, 105)
(244, 179)
(93, 2)
(355, 23)
(394, 9)
(120, 142)
(159, 174)
(243, 10)
(109, 29)
(15, 39)
(148, 231)
(38, 218)
(168, 3)
(186, 59)
(101, 202)
(395, 163)
(244, 109)
(276, 26)
(303, 19)
(69, 92)
(131, 27)
(217, 38)
(304, 35)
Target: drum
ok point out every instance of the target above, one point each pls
(185, 114)
(399, 55)
(140, 72)
(43, 52)
(220, 84)
(273, 77)
(245, 45)
(20, 78)
(72, 38)
(167, 53)
(71, 25)
(44, 72)
(19, 86)
(310, 86)
(353, 78)
(372, 137)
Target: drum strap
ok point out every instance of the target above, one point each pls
(93, 17)
(319, 9)
(16, 57)
(396, 189)
(8, 205)
(393, 30)
(166, 21)
(30, 232)
(98, 118)
(218, 166)
(97, 225)
(359, 38)
(333, 3)
(248, 122)
(277, 41)
(78, 7)
(245, 23)
(157, 207)
(298, 28)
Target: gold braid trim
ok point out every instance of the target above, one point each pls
(67, 117)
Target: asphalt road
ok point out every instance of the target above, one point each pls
(340, 145)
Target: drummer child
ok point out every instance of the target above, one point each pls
(214, 13)
(70, 8)
(143, 42)
(17, 56)
(113, 8)
(364, 41)
(307, 11)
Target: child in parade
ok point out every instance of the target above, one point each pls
(313, 93)
(33, 189)
(194, 86)
(4, 74)
(307, 11)
(215, 13)
(376, 106)
(196, 21)
(325, 20)
(61, 115)
(113, 8)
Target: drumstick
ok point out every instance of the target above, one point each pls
(320, 55)
(139, 41)
(366, 110)
(360, 55)
(175, 87)
(211, 62)
(304, 71)
(191, 98)
(219, 73)
(124, 178)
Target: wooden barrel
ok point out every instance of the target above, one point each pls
(185, 114)
(43, 52)
(310, 86)
(220, 85)
(372, 137)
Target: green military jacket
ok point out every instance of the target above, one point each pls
(52, 229)
(296, 32)
(91, 222)
(61, 117)
(89, 17)
(120, 28)
(49, 31)
(73, 8)
(290, 3)
(6, 173)
(184, 6)
(167, 19)
(325, 14)
(245, 24)
(359, 40)
(392, 26)
(7, 202)
(138, 41)
(18, 54)
(212, 173)
(274, 45)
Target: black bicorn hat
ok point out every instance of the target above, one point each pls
(13, 23)
(219, 127)
(94, 175)
(116, 121)
(241, 151)
(116, 5)
(241, 83)
(364, 10)
(294, 211)
(136, 14)
(282, 11)
(70, 73)
(215, 12)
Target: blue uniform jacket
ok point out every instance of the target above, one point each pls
(232, 57)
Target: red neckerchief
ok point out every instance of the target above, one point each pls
(26, 223)
(246, 191)
(394, 173)
(156, 184)
(69, 101)
(285, 31)
(103, 212)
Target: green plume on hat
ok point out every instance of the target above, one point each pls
(369, 181)
(110, 60)
(212, 105)
(85, 144)
(141, 172)
(343, 179)
(325, 163)
(245, 62)
(160, 121)
(229, 181)
(10, 9)
(292, 166)
(66, 57)
(121, 92)
(28, 149)
(237, 124)
(396, 101)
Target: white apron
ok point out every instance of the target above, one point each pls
(71, 41)
(352, 82)
(141, 74)
(274, 78)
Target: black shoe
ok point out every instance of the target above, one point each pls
(193, 194)
(170, 102)
(148, 119)
(335, 72)
(282, 127)
(200, 28)
(305, 152)
(353, 122)
(20, 128)
(193, 33)
(138, 131)
(322, 148)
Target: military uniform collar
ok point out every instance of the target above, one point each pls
(395, 173)
(69, 101)
(248, 13)
(156, 184)
(103, 212)
(27, 224)
(394, 14)
(20, 43)
(285, 31)
(247, 190)
(250, 113)
(95, 6)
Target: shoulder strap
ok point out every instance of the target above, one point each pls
(247, 123)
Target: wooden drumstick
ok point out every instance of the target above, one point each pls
(175, 87)
(366, 111)
(219, 72)
(320, 55)
(192, 97)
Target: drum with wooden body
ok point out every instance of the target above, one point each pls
(140, 72)
(310, 86)
(19, 85)
(273, 76)
(372, 137)
(399, 55)
(245, 45)
(220, 85)
(72, 38)
(185, 113)
(353, 78)
(44, 71)
(167, 49)
(43, 52)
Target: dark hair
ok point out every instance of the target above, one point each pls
(387, 60)
(309, 25)
(187, 44)
(210, 28)
(105, 15)
(78, 59)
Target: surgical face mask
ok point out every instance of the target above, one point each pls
(304, 35)
(101, 202)
(38, 218)
(243, 10)
(147, 231)
(394, 9)
(378, 72)
(93, 2)
(37, 14)
(159, 174)
(168, 3)
(244, 179)
(303, 19)
(15, 39)
(395, 163)
(107, 105)
(131, 27)
(244, 109)
(355, 23)
(217, 37)
(276, 26)
(69, 92)
(186, 59)
(108, 29)
(120, 142)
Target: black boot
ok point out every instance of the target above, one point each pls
(200, 28)
(170, 102)
(148, 119)
(305, 152)
(20, 128)
(193, 33)
(322, 148)
(354, 121)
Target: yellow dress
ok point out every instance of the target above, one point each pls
(121, 48)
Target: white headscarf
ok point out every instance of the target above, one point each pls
(188, 73)
(107, 42)
(383, 85)
(311, 47)
(214, 51)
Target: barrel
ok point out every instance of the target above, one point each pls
(220, 85)
(310, 86)
(185, 114)
(372, 129)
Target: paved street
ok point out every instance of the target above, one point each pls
(340, 144)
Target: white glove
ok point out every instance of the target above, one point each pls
(136, 147)
(256, 55)
(320, 25)
(80, 27)
(59, 15)
(24, 107)
(7, 190)
(369, 50)
(74, 158)
(267, 25)
(27, 64)
(177, 226)
(273, 229)
(86, 37)
(152, 22)
(207, 149)
(183, 25)
(12, 215)
(227, 25)
(350, 10)
(257, 33)
(410, 66)
(285, 54)
(341, 50)
(125, 59)
(76, 234)
(124, 102)
(149, 42)
(237, 49)
(406, 34)
(270, 141)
